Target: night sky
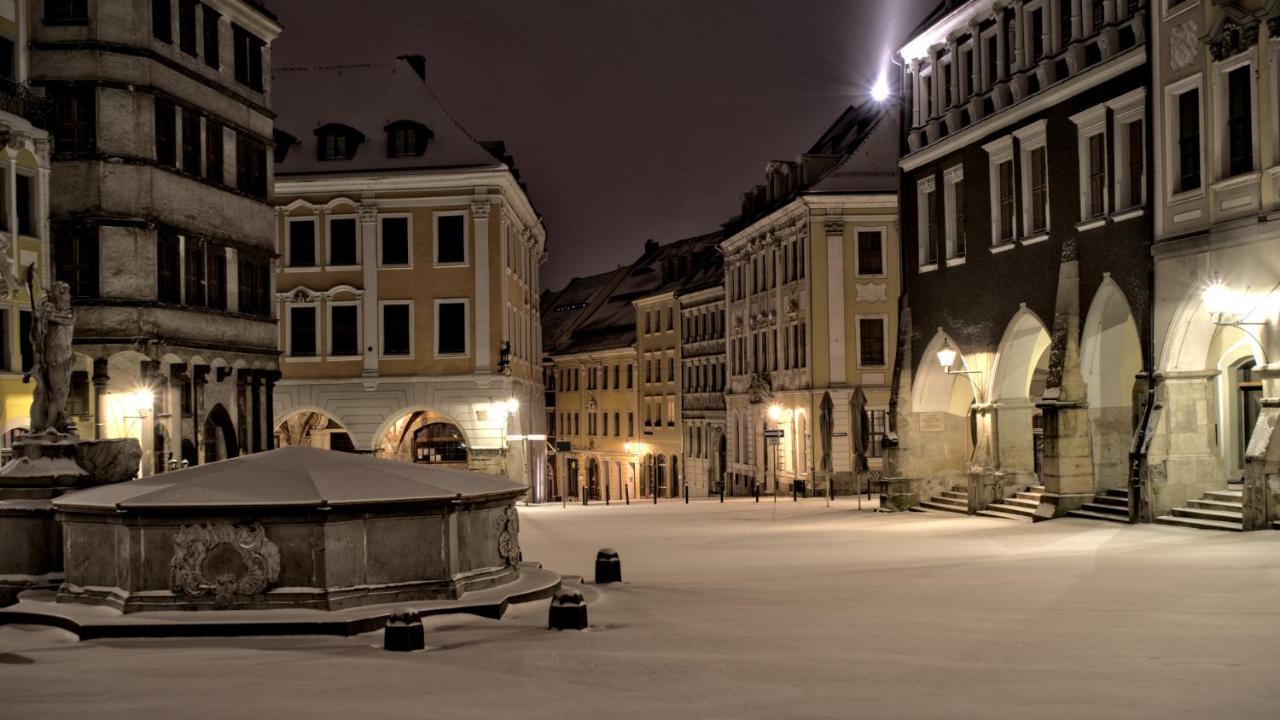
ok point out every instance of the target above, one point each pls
(627, 119)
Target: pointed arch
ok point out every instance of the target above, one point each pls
(1025, 340)
(933, 390)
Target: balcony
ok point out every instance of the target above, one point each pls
(19, 100)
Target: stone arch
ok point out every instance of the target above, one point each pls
(1017, 377)
(1110, 361)
(1262, 471)
(933, 390)
(393, 438)
(1025, 341)
(1232, 417)
(312, 427)
(220, 441)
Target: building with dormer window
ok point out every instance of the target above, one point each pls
(407, 287)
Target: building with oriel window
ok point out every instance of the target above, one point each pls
(811, 288)
(407, 287)
(159, 217)
(24, 226)
(1216, 195)
(1026, 222)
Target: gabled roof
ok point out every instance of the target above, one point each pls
(368, 98)
(871, 165)
(563, 310)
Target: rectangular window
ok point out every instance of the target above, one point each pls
(960, 243)
(1064, 23)
(1099, 15)
(871, 342)
(24, 199)
(187, 26)
(212, 52)
(213, 165)
(302, 331)
(254, 284)
(1006, 201)
(166, 122)
(191, 146)
(69, 12)
(76, 259)
(617, 424)
(1097, 175)
(931, 234)
(344, 330)
(870, 252)
(168, 267)
(1189, 140)
(451, 327)
(451, 239)
(302, 243)
(193, 267)
(631, 376)
(251, 166)
(396, 331)
(248, 57)
(342, 242)
(1037, 35)
(395, 242)
(1240, 120)
(993, 60)
(1039, 191)
(162, 20)
(1137, 163)
(216, 272)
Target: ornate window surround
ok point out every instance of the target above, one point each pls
(1090, 123)
(1031, 138)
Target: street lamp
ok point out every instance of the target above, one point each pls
(947, 358)
(1225, 305)
(880, 91)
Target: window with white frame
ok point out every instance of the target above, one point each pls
(395, 245)
(1035, 178)
(343, 246)
(990, 50)
(452, 338)
(344, 329)
(926, 94)
(1186, 148)
(303, 331)
(1091, 148)
(945, 87)
(966, 72)
(927, 221)
(953, 199)
(1036, 29)
(1128, 128)
(1003, 191)
(871, 341)
(450, 238)
(300, 247)
(1234, 101)
(396, 332)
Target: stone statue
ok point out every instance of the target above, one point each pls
(52, 324)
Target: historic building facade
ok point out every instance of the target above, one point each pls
(811, 286)
(1217, 263)
(702, 379)
(1025, 181)
(24, 213)
(160, 223)
(408, 283)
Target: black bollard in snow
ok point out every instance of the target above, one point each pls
(404, 632)
(568, 611)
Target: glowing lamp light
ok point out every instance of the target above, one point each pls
(775, 412)
(1217, 298)
(880, 91)
(947, 355)
(512, 405)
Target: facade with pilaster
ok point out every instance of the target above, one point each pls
(702, 378)
(159, 217)
(1025, 184)
(1217, 262)
(408, 282)
(24, 215)
(811, 286)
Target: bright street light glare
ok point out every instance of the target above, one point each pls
(880, 91)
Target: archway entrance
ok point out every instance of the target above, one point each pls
(309, 428)
(424, 436)
(593, 479)
(1110, 361)
(219, 436)
(721, 456)
(1017, 384)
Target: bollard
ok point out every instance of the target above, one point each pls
(608, 566)
(568, 611)
(722, 492)
(626, 493)
(606, 493)
(756, 491)
(794, 489)
(403, 632)
(686, 494)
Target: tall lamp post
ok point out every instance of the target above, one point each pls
(774, 439)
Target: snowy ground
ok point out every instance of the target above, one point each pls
(744, 611)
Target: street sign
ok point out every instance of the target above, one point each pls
(773, 433)
(774, 440)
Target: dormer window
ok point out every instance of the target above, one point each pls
(283, 141)
(337, 142)
(406, 138)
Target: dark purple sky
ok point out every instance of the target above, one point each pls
(628, 119)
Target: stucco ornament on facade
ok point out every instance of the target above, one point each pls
(508, 527)
(223, 559)
(1184, 42)
(871, 292)
(1232, 38)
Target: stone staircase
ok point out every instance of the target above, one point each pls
(1021, 506)
(1112, 505)
(1215, 510)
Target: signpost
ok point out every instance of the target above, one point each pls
(774, 437)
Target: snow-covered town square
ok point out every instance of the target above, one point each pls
(640, 359)
(743, 611)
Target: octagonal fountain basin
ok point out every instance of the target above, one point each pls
(295, 527)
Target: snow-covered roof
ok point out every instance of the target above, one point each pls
(367, 99)
(293, 477)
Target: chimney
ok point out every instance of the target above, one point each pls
(650, 246)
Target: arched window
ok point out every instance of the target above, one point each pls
(406, 138)
(337, 142)
(439, 442)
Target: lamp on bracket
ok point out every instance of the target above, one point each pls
(947, 358)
